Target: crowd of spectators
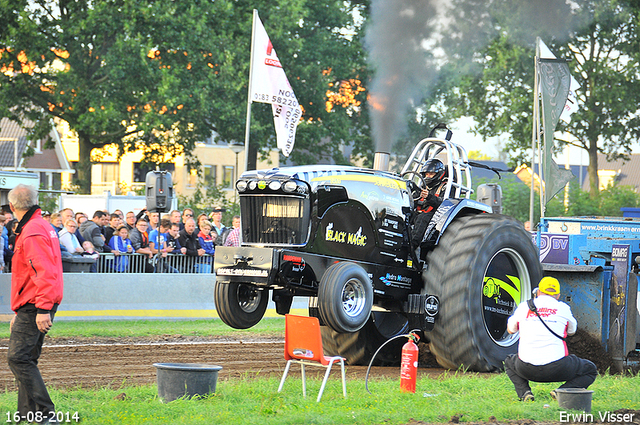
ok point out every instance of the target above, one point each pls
(159, 238)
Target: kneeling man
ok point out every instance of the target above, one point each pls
(542, 350)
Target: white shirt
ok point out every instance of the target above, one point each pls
(537, 345)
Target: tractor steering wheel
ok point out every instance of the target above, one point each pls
(415, 188)
(423, 183)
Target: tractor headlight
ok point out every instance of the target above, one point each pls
(275, 185)
(241, 185)
(290, 186)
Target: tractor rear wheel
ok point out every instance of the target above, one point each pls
(360, 346)
(483, 267)
(240, 305)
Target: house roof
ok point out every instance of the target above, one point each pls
(13, 136)
(628, 172)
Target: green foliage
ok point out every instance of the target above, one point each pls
(608, 202)
(615, 197)
(515, 197)
(161, 76)
(48, 201)
(205, 197)
(490, 71)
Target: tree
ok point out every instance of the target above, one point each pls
(496, 71)
(162, 76)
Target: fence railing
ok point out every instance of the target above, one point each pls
(139, 263)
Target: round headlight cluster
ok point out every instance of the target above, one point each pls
(290, 186)
(241, 185)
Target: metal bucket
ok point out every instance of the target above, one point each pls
(176, 380)
(574, 398)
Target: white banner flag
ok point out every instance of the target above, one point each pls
(269, 84)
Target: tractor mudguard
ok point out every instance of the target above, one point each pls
(447, 212)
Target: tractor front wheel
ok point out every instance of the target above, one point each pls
(345, 297)
(240, 305)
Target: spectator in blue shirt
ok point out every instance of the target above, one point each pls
(207, 242)
(121, 244)
(158, 238)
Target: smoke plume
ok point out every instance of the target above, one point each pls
(403, 35)
(396, 39)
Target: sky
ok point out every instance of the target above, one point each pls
(463, 136)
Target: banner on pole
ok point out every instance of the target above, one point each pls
(269, 84)
(555, 81)
(571, 105)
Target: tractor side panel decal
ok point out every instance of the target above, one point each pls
(346, 231)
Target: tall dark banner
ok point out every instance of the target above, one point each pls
(555, 81)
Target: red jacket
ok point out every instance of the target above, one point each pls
(36, 266)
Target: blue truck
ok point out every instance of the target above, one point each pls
(596, 260)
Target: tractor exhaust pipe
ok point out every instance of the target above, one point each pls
(381, 161)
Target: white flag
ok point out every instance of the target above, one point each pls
(572, 101)
(269, 84)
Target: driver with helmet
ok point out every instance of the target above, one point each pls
(434, 174)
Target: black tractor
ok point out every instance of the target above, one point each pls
(341, 236)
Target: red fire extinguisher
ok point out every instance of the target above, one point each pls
(409, 365)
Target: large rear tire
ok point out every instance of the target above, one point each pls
(345, 297)
(240, 305)
(359, 347)
(483, 267)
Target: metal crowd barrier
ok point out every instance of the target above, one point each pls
(140, 263)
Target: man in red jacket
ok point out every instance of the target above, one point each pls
(36, 291)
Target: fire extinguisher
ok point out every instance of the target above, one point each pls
(409, 365)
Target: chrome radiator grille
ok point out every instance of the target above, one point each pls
(274, 220)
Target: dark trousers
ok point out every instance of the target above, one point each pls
(420, 223)
(25, 345)
(577, 372)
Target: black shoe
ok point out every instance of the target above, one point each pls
(528, 396)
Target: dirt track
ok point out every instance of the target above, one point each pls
(117, 361)
(114, 362)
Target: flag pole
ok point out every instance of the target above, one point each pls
(247, 131)
(534, 134)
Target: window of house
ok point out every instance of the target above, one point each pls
(227, 176)
(44, 180)
(210, 175)
(192, 177)
(110, 172)
(56, 181)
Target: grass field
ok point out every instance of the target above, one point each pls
(147, 328)
(255, 400)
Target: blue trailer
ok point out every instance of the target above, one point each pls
(596, 261)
